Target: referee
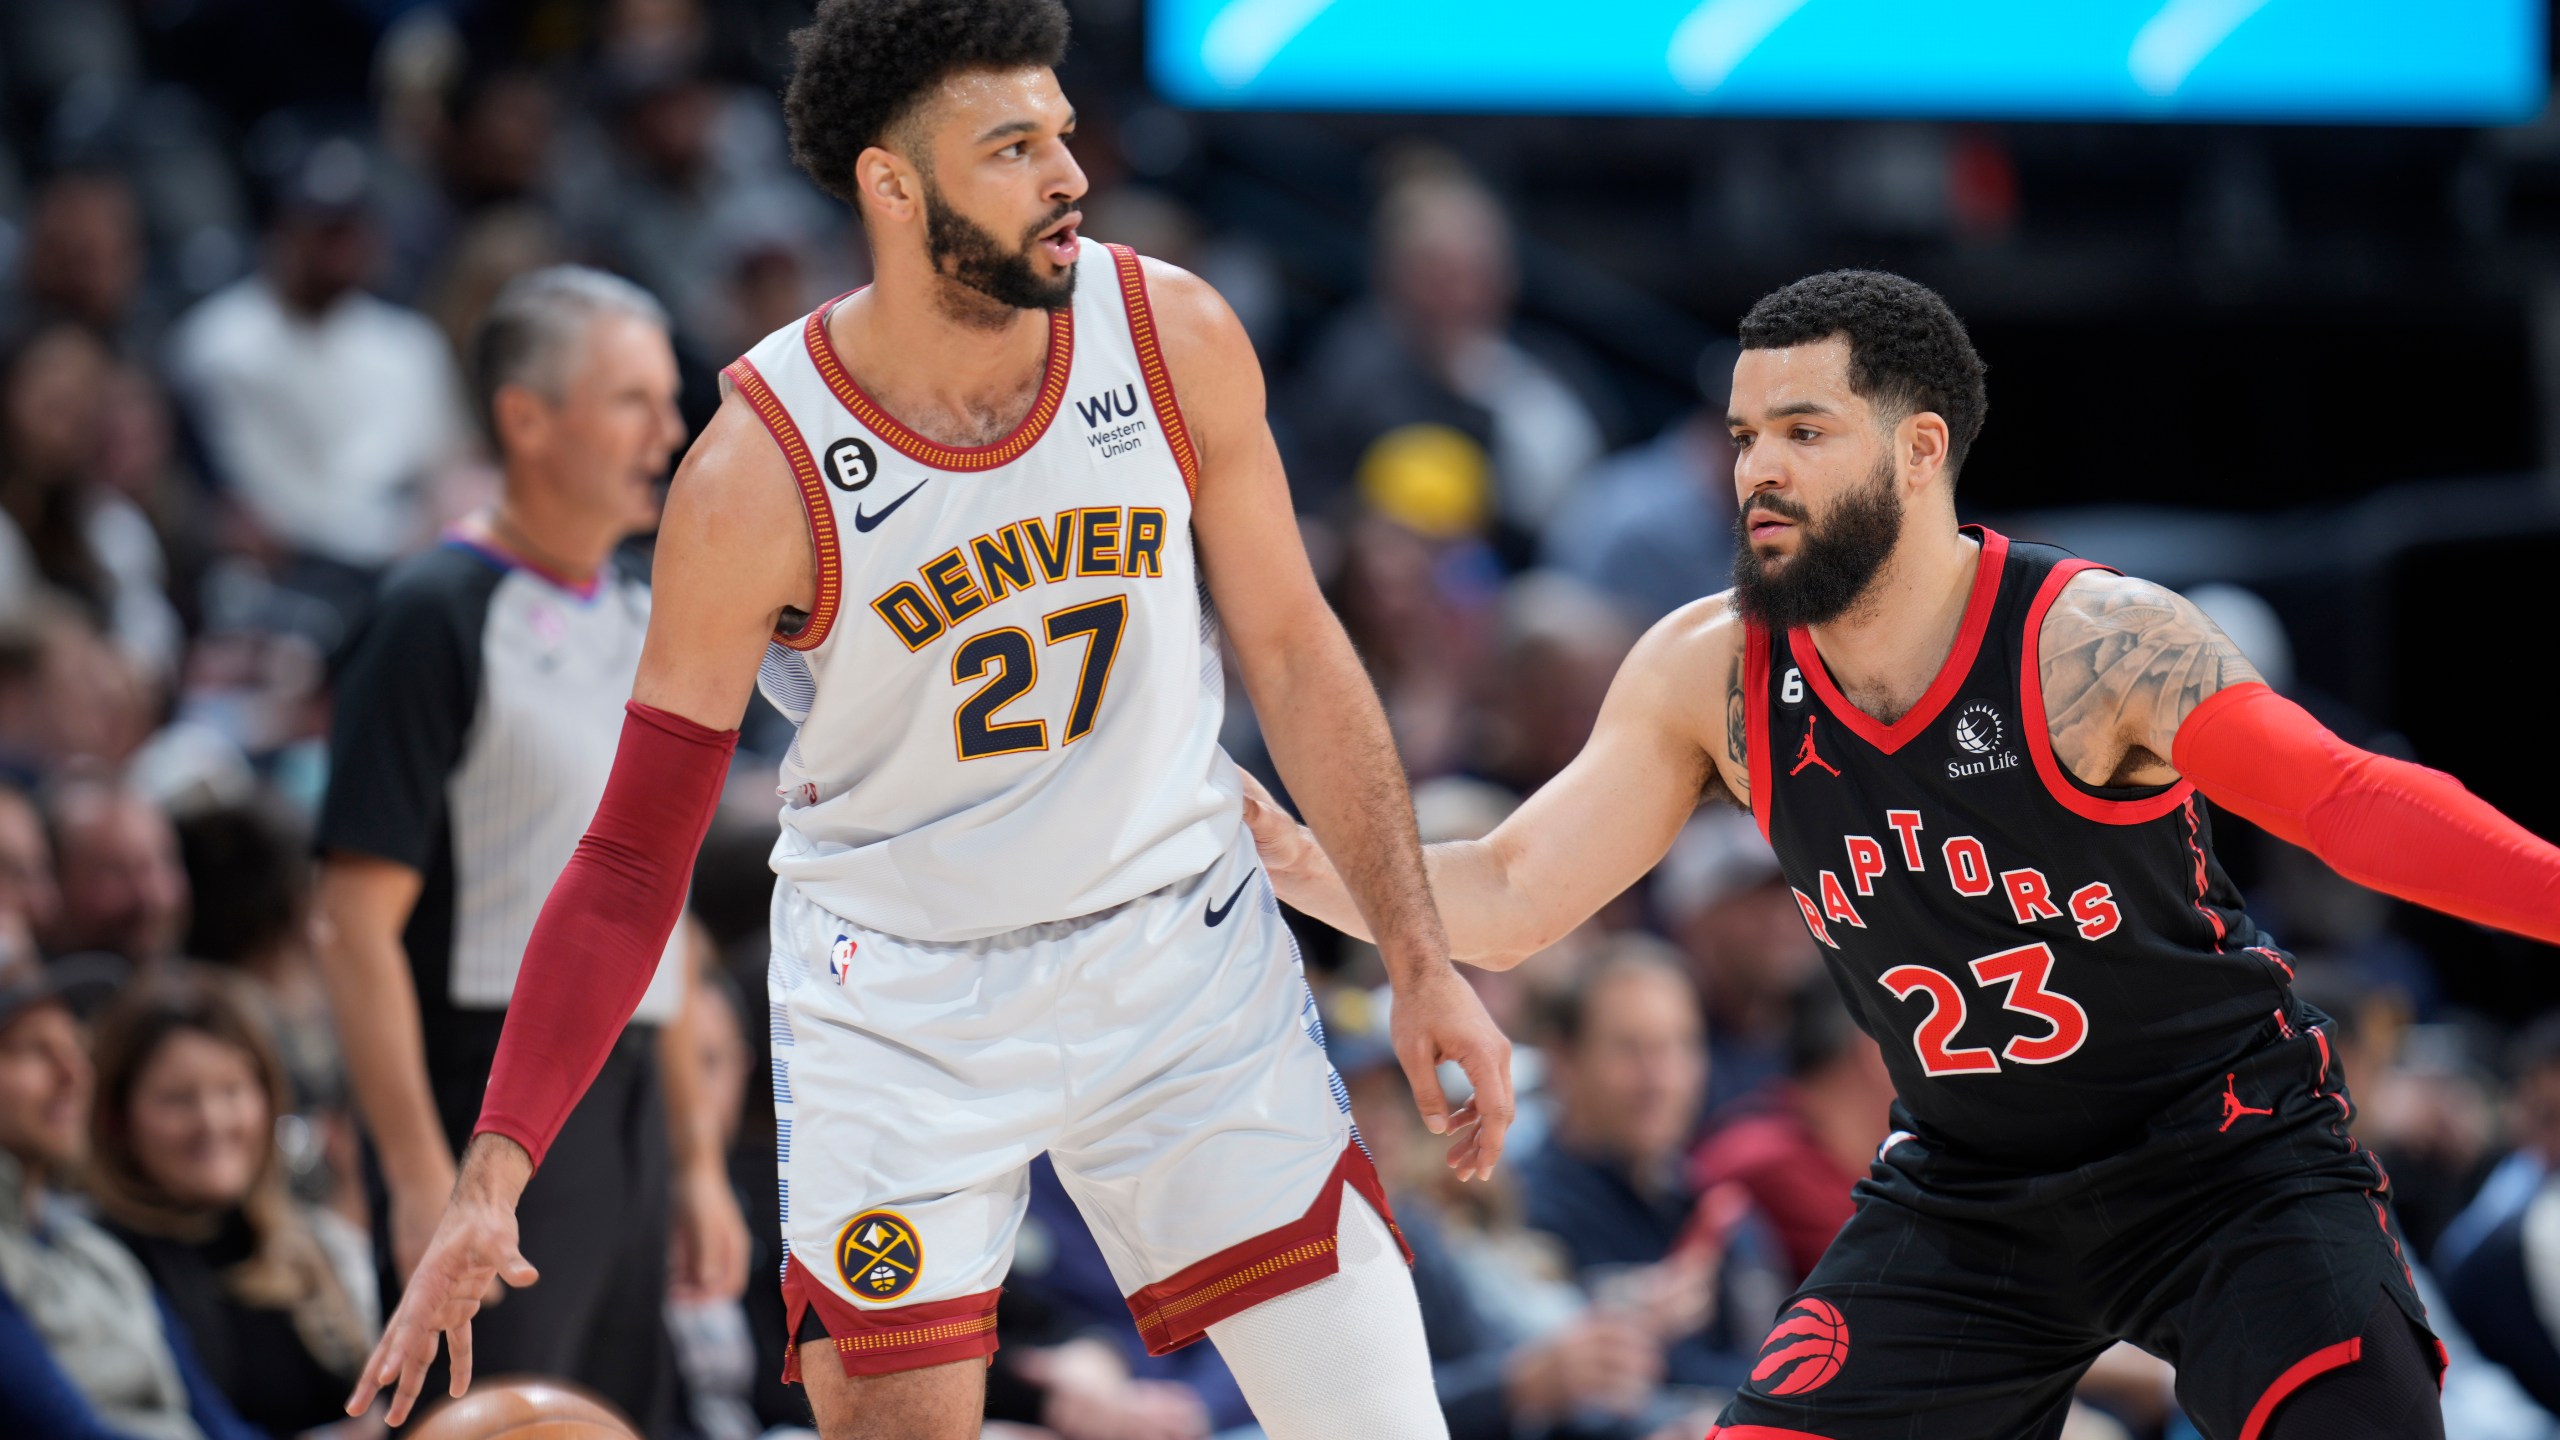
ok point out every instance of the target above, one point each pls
(477, 716)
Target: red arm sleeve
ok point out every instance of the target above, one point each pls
(605, 924)
(2386, 824)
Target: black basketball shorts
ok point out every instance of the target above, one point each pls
(2243, 1240)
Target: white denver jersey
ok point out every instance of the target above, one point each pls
(1008, 696)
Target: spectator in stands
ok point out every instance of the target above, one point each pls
(123, 889)
(67, 694)
(1628, 1058)
(1515, 1350)
(1559, 646)
(326, 412)
(250, 872)
(1437, 345)
(2533, 1123)
(1417, 588)
(1800, 1144)
(1721, 897)
(86, 539)
(29, 898)
(276, 1298)
(83, 260)
(1652, 526)
(88, 1350)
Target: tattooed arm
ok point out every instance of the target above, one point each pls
(2124, 662)
(1668, 732)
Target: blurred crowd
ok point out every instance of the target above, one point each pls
(241, 249)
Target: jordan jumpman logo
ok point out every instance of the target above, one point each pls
(2232, 1109)
(1805, 754)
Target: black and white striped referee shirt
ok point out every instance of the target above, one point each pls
(476, 720)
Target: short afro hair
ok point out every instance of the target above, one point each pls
(1907, 351)
(861, 66)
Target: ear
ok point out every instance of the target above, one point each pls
(1922, 440)
(888, 184)
(521, 416)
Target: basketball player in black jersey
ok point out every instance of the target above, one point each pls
(1978, 761)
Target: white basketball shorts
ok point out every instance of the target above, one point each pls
(1165, 1053)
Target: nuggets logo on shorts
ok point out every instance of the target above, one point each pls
(1812, 1337)
(878, 1255)
(840, 959)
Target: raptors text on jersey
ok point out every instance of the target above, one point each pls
(2046, 964)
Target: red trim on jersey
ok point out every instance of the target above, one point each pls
(1180, 1308)
(2303, 1371)
(1759, 1432)
(1958, 664)
(2203, 876)
(1142, 333)
(1755, 721)
(1053, 392)
(813, 502)
(2031, 718)
(883, 1341)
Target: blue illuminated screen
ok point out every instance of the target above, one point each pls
(2407, 61)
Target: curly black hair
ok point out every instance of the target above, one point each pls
(1907, 351)
(861, 66)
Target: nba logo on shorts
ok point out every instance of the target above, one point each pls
(840, 959)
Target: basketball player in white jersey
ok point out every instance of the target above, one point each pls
(975, 529)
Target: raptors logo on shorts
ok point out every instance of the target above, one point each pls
(1811, 1337)
(878, 1255)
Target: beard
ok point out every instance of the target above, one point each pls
(1834, 562)
(983, 263)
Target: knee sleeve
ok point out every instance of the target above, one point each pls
(2389, 1393)
(1343, 1356)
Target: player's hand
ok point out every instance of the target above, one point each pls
(416, 1210)
(708, 1253)
(474, 1245)
(1437, 1017)
(1597, 1362)
(1089, 1396)
(1290, 854)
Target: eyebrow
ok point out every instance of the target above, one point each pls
(1792, 407)
(1024, 127)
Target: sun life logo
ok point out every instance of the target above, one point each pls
(1978, 728)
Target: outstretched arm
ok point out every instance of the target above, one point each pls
(1593, 830)
(2140, 687)
(732, 553)
(1321, 717)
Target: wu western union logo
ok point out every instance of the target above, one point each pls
(878, 1255)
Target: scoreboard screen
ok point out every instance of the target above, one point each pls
(2377, 61)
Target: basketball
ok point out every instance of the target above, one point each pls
(525, 1408)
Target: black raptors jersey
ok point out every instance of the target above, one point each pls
(2047, 965)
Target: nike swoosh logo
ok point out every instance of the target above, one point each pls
(1218, 913)
(866, 521)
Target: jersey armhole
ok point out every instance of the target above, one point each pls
(2061, 784)
(1142, 334)
(1755, 722)
(813, 503)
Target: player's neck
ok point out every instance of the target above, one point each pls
(932, 369)
(1884, 653)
